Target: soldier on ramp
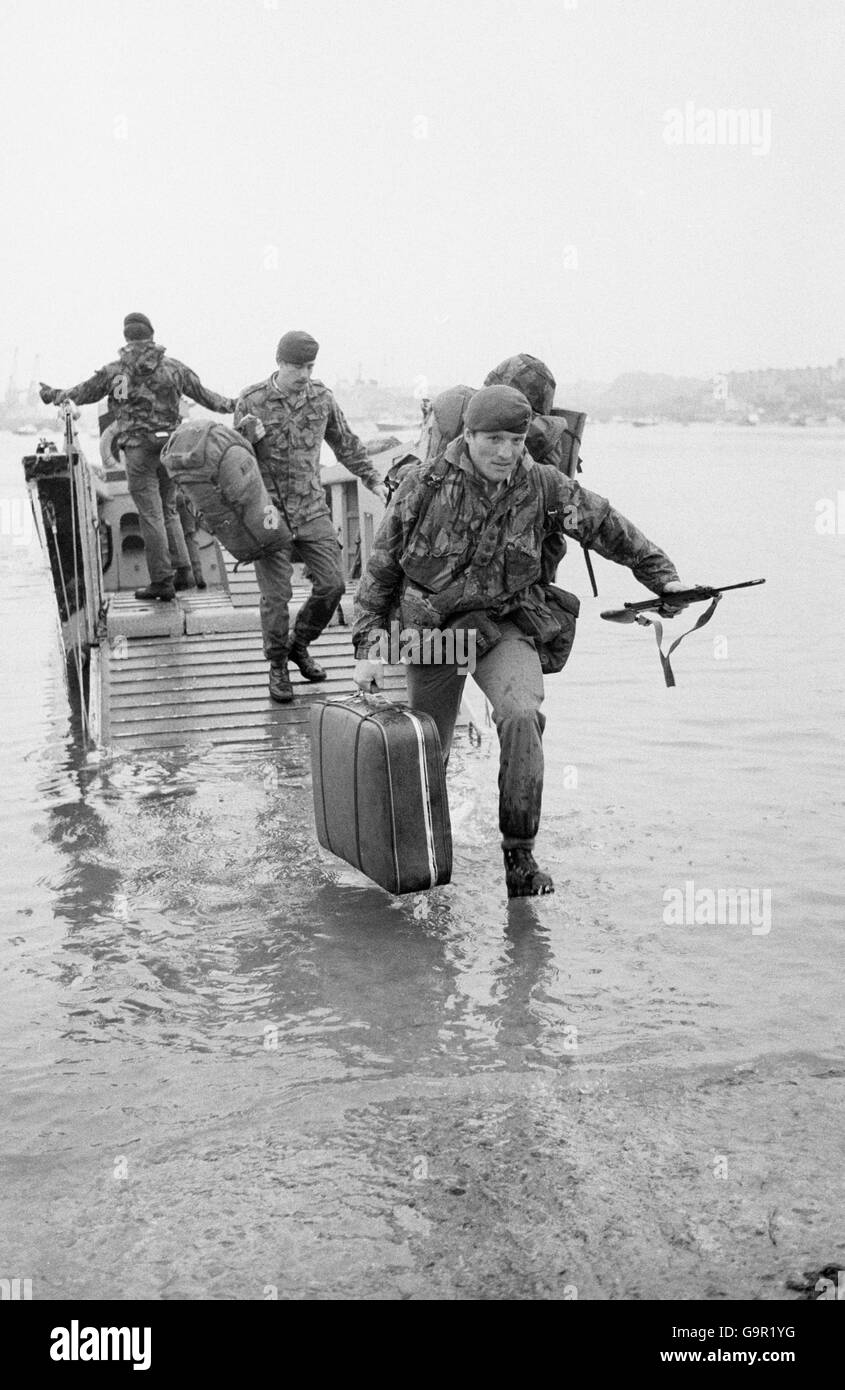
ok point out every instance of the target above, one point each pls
(286, 418)
(144, 388)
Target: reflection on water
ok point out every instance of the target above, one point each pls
(197, 914)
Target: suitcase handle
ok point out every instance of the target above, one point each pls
(369, 697)
(373, 697)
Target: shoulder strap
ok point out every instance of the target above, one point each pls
(554, 518)
(437, 471)
(434, 476)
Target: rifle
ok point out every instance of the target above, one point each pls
(638, 613)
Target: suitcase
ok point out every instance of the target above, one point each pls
(380, 792)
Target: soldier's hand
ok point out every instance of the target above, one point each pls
(380, 491)
(47, 393)
(668, 609)
(368, 674)
(252, 428)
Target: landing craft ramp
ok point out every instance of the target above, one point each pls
(156, 676)
(205, 680)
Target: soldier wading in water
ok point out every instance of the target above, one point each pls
(286, 418)
(144, 388)
(462, 544)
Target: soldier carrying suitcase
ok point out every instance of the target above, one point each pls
(463, 543)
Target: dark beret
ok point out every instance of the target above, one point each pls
(498, 408)
(136, 326)
(297, 347)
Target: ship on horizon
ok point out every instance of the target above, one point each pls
(21, 409)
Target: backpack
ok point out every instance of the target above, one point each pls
(556, 439)
(216, 468)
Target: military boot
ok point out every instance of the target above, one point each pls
(523, 875)
(163, 589)
(301, 657)
(281, 689)
(184, 578)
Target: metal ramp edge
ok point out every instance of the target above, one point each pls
(195, 611)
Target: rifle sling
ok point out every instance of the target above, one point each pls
(665, 661)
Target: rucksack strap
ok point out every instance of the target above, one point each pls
(588, 561)
(555, 525)
(438, 471)
(553, 515)
(431, 482)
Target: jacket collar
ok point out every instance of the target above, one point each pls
(288, 395)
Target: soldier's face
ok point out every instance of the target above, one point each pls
(292, 376)
(494, 455)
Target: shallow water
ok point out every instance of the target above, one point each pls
(202, 1011)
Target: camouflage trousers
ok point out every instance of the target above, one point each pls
(319, 547)
(154, 493)
(511, 678)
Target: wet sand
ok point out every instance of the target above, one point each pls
(542, 1185)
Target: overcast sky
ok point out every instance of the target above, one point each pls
(426, 187)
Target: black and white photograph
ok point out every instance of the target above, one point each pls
(422, 542)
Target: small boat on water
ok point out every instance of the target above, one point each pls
(163, 675)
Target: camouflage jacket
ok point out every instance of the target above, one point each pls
(473, 551)
(289, 454)
(144, 389)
